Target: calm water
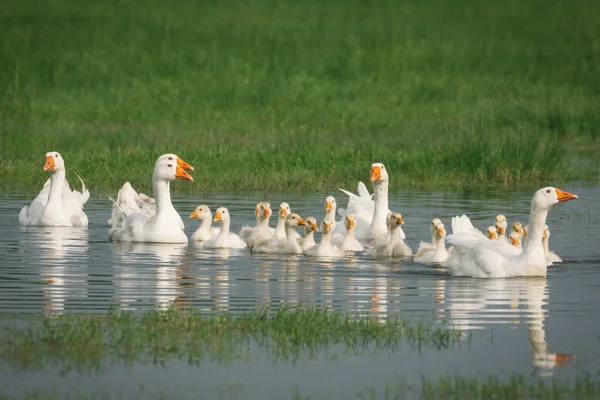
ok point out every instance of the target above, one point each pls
(517, 324)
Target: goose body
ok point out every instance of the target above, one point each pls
(131, 224)
(392, 244)
(436, 254)
(261, 233)
(56, 204)
(290, 244)
(476, 256)
(205, 231)
(370, 213)
(348, 242)
(225, 239)
(325, 248)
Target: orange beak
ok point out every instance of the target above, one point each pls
(350, 223)
(267, 212)
(500, 230)
(328, 206)
(184, 165)
(49, 165)
(375, 173)
(493, 236)
(564, 359)
(314, 227)
(217, 217)
(514, 242)
(181, 174)
(545, 234)
(283, 212)
(326, 227)
(565, 196)
(194, 214)
(399, 220)
(301, 221)
(441, 232)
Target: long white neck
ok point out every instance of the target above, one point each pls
(57, 184)
(225, 223)
(290, 234)
(326, 239)
(162, 196)
(280, 225)
(349, 233)
(263, 224)
(537, 222)
(205, 225)
(545, 244)
(380, 191)
(330, 214)
(434, 241)
(396, 234)
(439, 243)
(309, 234)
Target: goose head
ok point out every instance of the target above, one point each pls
(440, 231)
(311, 225)
(293, 220)
(284, 210)
(263, 210)
(202, 212)
(500, 224)
(350, 221)
(326, 226)
(54, 162)
(169, 170)
(174, 158)
(378, 173)
(330, 203)
(514, 239)
(517, 227)
(491, 232)
(222, 215)
(434, 223)
(394, 220)
(548, 197)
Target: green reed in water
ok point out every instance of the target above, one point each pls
(286, 95)
(91, 342)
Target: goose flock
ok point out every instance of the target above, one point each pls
(367, 224)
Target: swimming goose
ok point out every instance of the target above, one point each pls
(56, 204)
(436, 253)
(392, 244)
(550, 255)
(165, 226)
(290, 244)
(309, 238)
(280, 230)
(325, 248)
(475, 256)
(205, 231)
(370, 214)
(330, 209)
(348, 242)
(491, 232)
(225, 239)
(500, 225)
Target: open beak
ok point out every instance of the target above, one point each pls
(301, 221)
(49, 165)
(399, 220)
(181, 174)
(267, 212)
(328, 206)
(184, 165)
(194, 214)
(314, 227)
(565, 196)
(217, 217)
(350, 223)
(375, 173)
(283, 212)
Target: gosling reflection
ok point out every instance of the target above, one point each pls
(62, 253)
(472, 303)
(214, 286)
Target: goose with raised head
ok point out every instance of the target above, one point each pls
(330, 210)
(518, 227)
(436, 254)
(475, 256)
(261, 233)
(348, 242)
(325, 248)
(311, 227)
(56, 204)
(392, 244)
(225, 239)
(491, 232)
(164, 226)
(515, 240)
(371, 213)
(206, 231)
(288, 246)
(280, 230)
(500, 224)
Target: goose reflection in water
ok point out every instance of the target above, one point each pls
(62, 254)
(214, 290)
(472, 303)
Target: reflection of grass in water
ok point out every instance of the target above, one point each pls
(280, 94)
(90, 342)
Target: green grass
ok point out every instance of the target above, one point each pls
(286, 95)
(93, 342)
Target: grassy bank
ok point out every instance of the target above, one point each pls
(92, 342)
(284, 95)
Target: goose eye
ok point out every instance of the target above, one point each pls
(548, 191)
(382, 167)
(170, 158)
(170, 165)
(56, 155)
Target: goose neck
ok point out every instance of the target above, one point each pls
(537, 222)
(162, 196)
(57, 184)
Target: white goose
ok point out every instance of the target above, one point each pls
(309, 233)
(205, 231)
(424, 246)
(330, 210)
(56, 204)
(325, 248)
(392, 244)
(280, 230)
(436, 253)
(348, 242)
(261, 233)
(475, 256)
(166, 226)
(501, 225)
(370, 214)
(225, 239)
(551, 256)
(290, 244)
